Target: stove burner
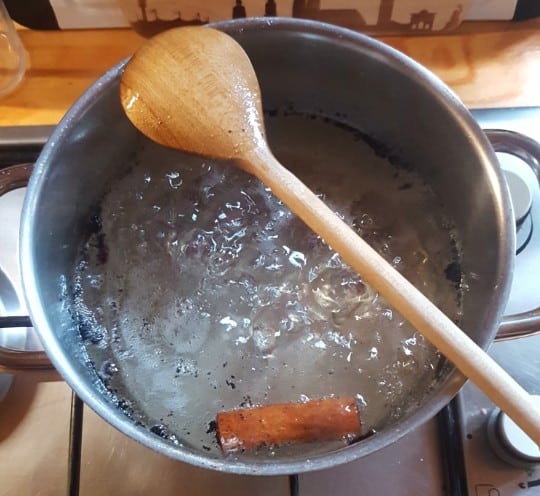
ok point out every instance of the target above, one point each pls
(520, 194)
(9, 338)
(510, 443)
(524, 233)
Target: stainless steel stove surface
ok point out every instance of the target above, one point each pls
(519, 473)
(450, 455)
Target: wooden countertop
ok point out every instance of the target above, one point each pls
(486, 64)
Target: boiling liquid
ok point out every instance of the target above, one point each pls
(214, 296)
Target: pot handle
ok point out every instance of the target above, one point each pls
(512, 326)
(12, 361)
(528, 150)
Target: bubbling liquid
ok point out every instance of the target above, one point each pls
(201, 292)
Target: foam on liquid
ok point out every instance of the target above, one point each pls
(215, 296)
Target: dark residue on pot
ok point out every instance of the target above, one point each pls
(96, 227)
(212, 427)
(453, 273)
(379, 147)
(88, 330)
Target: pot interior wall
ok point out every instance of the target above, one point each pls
(316, 72)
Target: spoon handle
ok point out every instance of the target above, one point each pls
(450, 340)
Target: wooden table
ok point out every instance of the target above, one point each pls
(487, 64)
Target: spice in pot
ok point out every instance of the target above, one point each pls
(279, 424)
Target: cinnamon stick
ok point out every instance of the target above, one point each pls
(287, 423)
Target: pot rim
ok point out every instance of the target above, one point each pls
(455, 380)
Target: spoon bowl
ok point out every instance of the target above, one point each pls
(195, 90)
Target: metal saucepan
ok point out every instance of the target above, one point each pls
(315, 68)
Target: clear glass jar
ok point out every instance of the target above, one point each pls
(12, 54)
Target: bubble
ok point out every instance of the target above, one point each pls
(228, 323)
(264, 339)
(175, 181)
(297, 259)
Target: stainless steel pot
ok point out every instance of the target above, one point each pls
(314, 67)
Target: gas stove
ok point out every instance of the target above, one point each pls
(467, 450)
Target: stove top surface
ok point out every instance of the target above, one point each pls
(444, 456)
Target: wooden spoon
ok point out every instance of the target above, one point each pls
(194, 89)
